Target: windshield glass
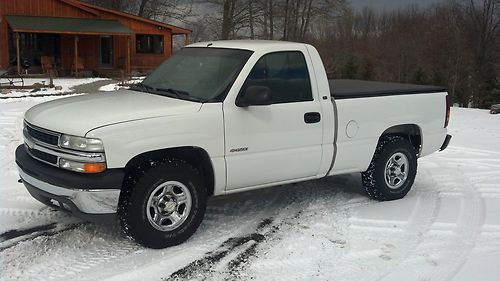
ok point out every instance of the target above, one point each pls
(198, 74)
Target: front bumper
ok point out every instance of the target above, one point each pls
(90, 197)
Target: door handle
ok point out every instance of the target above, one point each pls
(312, 117)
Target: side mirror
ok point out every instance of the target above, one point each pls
(255, 96)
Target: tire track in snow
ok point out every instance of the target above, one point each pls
(229, 260)
(42, 231)
(321, 216)
(85, 249)
(422, 218)
(203, 267)
(461, 234)
(14, 233)
(112, 248)
(470, 221)
(472, 151)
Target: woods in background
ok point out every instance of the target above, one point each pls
(454, 44)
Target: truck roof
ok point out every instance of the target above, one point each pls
(251, 45)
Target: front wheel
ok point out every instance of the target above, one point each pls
(392, 171)
(162, 204)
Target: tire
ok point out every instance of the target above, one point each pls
(162, 203)
(391, 152)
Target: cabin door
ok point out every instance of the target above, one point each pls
(106, 51)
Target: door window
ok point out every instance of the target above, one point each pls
(285, 73)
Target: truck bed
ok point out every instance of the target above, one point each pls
(351, 89)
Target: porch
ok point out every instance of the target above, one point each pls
(68, 46)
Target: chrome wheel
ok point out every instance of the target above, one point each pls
(396, 170)
(169, 206)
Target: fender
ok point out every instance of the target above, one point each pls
(203, 130)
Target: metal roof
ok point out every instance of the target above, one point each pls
(67, 25)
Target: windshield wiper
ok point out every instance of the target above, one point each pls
(144, 87)
(183, 95)
(178, 93)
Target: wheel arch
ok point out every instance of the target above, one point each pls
(195, 156)
(411, 132)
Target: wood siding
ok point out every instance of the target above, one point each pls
(88, 44)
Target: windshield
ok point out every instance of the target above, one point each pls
(198, 74)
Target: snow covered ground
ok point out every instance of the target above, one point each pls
(117, 86)
(447, 228)
(63, 85)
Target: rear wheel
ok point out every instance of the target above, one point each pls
(392, 171)
(162, 204)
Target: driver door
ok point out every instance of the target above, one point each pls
(278, 142)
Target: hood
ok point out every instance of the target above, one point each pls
(80, 114)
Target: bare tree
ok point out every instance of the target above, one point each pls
(482, 23)
(453, 43)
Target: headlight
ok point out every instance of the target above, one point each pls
(89, 168)
(82, 144)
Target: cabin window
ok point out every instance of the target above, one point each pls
(149, 44)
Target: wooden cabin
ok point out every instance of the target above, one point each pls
(75, 37)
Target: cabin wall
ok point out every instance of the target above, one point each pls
(141, 61)
(87, 49)
(4, 51)
(49, 8)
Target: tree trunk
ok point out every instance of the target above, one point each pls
(265, 19)
(227, 16)
(285, 26)
(306, 17)
(142, 7)
(251, 20)
(271, 20)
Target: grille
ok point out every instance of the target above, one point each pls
(49, 158)
(42, 136)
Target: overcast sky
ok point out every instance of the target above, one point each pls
(389, 4)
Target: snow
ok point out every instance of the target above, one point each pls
(447, 228)
(475, 128)
(118, 86)
(65, 84)
(109, 87)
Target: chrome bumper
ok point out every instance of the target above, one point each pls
(89, 201)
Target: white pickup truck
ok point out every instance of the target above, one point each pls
(219, 118)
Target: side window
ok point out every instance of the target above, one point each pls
(285, 73)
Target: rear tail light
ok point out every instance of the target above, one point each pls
(448, 111)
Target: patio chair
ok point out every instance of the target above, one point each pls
(48, 65)
(80, 65)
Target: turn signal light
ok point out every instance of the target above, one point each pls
(93, 168)
(90, 168)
